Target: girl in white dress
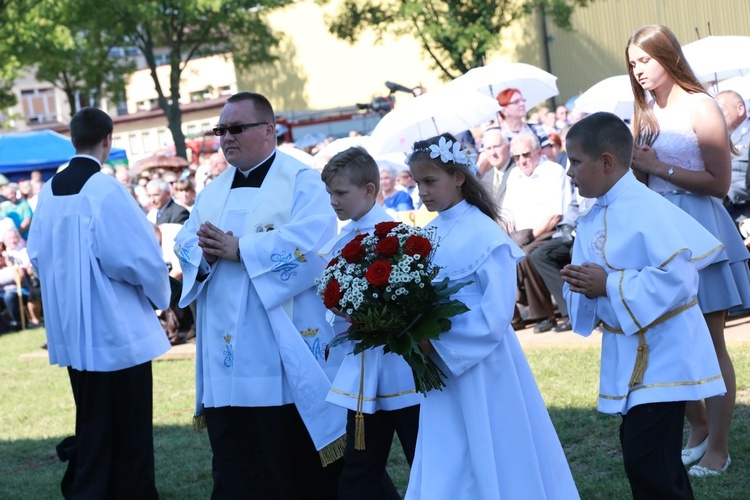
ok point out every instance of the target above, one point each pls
(683, 152)
(487, 434)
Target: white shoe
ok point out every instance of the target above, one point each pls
(691, 455)
(700, 471)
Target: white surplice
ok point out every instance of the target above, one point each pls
(652, 251)
(262, 329)
(99, 263)
(487, 434)
(388, 382)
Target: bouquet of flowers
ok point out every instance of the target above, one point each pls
(383, 282)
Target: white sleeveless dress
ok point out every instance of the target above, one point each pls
(726, 283)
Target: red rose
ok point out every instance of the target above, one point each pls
(333, 262)
(383, 228)
(353, 252)
(378, 273)
(387, 247)
(332, 296)
(418, 245)
(359, 237)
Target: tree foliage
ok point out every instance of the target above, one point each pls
(70, 43)
(456, 34)
(188, 29)
(72, 55)
(11, 13)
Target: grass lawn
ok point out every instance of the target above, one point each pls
(37, 411)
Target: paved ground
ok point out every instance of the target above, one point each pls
(737, 331)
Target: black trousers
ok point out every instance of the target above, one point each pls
(549, 259)
(266, 453)
(651, 439)
(112, 455)
(364, 476)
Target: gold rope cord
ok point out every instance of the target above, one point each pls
(359, 418)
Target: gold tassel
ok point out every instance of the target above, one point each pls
(359, 418)
(359, 432)
(641, 361)
(333, 451)
(199, 422)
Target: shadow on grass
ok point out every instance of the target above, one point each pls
(592, 446)
(29, 468)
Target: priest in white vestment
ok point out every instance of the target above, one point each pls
(249, 257)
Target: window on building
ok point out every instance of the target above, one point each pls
(149, 142)
(163, 137)
(135, 147)
(39, 106)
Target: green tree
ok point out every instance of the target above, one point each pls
(187, 29)
(65, 52)
(11, 14)
(456, 34)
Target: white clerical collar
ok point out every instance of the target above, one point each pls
(247, 172)
(89, 157)
(626, 182)
(372, 217)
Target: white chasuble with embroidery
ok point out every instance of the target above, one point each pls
(261, 326)
(652, 251)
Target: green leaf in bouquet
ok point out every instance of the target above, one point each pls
(445, 324)
(338, 340)
(444, 291)
(400, 344)
(427, 328)
(450, 309)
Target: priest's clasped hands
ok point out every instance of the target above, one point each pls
(216, 243)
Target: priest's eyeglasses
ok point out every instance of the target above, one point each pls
(236, 129)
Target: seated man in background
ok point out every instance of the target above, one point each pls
(533, 207)
(16, 260)
(495, 163)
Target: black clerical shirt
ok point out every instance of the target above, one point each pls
(256, 176)
(72, 179)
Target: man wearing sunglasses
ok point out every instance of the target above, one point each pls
(534, 201)
(249, 257)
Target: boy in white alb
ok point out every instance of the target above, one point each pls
(390, 403)
(634, 270)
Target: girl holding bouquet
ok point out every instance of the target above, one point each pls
(487, 434)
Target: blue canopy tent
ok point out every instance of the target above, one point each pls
(42, 150)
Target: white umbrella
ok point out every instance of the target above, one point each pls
(302, 156)
(344, 143)
(613, 94)
(535, 84)
(740, 84)
(716, 58)
(433, 113)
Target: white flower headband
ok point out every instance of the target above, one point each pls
(450, 151)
